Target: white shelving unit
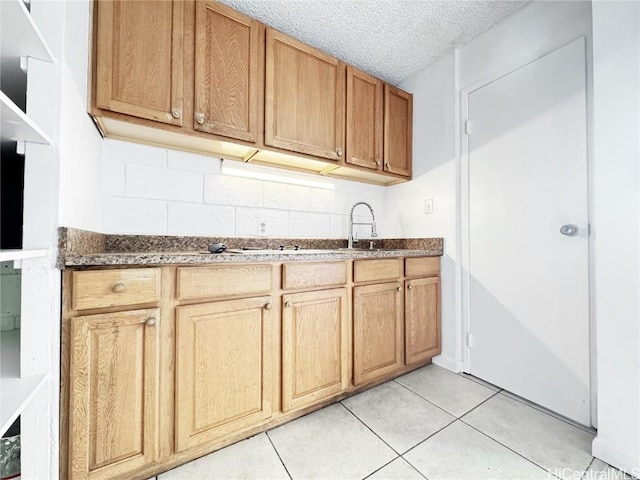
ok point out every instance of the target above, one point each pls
(20, 39)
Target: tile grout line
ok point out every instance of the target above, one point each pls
(377, 470)
(479, 381)
(587, 469)
(548, 471)
(278, 454)
(416, 468)
(369, 428)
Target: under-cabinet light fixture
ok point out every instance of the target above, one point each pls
(247, 170)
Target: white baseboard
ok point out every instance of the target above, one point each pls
(611, 454)
(446, 362)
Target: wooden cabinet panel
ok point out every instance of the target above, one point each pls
(377, 331)
(381, 269)
(422, 266)
(422, 319)
(318, 274)
(364, 128)
(398, 131)
(227, 72)
(304, 98)
(139, 58)
(117, 287)
(114, 393)
(315, 347)
(223, 369)
(223, 281)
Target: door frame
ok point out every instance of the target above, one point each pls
(463, 245)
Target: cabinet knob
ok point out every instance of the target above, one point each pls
(150, 322)
(175, 113)
(410, 287)
(398, 289)
(386, 165)
(119, 288)
(200, 118)
(339, 152)
(268, 306)
(288, 304)
(377, 163)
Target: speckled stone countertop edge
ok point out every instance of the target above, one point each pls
(81, 248)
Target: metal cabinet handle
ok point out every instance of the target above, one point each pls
(200, 118)
(119, 288)
(176, 113)
(288, 304)
(150, 322)
(268, 306)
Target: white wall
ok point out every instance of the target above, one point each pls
(520, 38)
(150, 190)
(80, 144)
(616, 55)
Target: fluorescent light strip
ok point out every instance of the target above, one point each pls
(245, 171)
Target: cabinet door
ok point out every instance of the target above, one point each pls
(422, 306)
(398, 128)
(114, 393)
(304, 98)
(227, 73)
(223, 369)
(315, 347)
(364, 120)
(140, 59)
(377, 331)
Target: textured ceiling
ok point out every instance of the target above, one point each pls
(390, 39)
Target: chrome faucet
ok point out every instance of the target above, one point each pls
(352, 223)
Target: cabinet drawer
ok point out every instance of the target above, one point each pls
(111, 288)
(223, 281)
(371, 270)
(422, 267)
(320, 274)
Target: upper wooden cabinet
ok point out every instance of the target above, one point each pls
(304, 98)
(398, 130)
(227, 72)
(364, 120)
(139, 59)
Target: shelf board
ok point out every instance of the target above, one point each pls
(17, 126)
(20, 36)
(8, 255)
(16, 392)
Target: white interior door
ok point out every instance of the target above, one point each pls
(528, 282)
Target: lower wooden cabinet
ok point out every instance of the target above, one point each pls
(113, 406)
(377, 331)
(224, 372)
(422, 319)
(315, 347)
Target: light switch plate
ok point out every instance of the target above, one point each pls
(262, 228)
(428, 206)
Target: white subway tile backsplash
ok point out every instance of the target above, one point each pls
(339, 226)
(247, 222)
(309, 225)
(134, 153)
(193, 162)
(199, 219)
(113, 176)
(225, 190)
(135, 215)
(321, 200)
(163, 184)
(286, 197)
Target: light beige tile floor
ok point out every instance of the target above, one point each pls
(429, 424)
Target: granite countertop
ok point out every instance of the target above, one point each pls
(78, 248)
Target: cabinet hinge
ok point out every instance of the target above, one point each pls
(469, 340)
(467, 127)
